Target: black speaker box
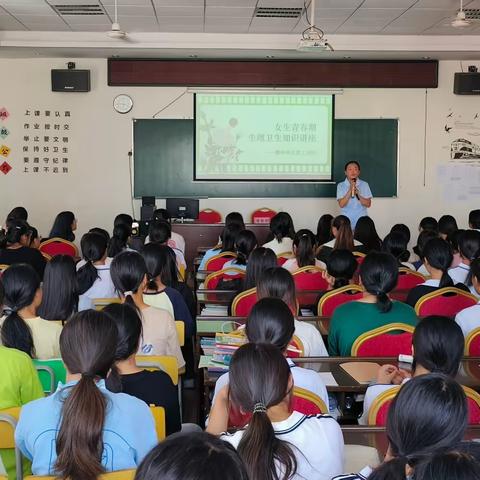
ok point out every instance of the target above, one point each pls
(146, 212)
(70, 80)
(467, 83)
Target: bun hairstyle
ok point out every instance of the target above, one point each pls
(428, 415)
(396, 244)
(341, 265)
(277, 282)
(379, 276)
(16, 229)
(118, 242)
(281, 226)
(439, 255)
(259, 379)
(159, 232)
(128, 271)
(305, 243)
(94, 248)
(20, 283)
(244, 244)
(62, 226)
(87, 346)
(344, 236)
(260, 259)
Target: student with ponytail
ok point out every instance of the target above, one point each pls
(83, 430)
(277, 444)
(245, 243)
(93, 272)
(437, 258)
(129, 275)
(119, 241)
(228, 238)
(341, 267)
(304, 246)
(378, 276)
(260, 259)
(429, 415)
(160, 231)
(343, 238)
(21, 328)
(469, 318)
(396, 244)
(469, 248)
(153, 387)
(282, 231)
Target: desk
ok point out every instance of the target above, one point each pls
(198, 234)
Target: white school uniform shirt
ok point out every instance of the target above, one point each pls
(302, 377)
(423, 270)
(410, 266)
(103, 286)
(286, 245)
(469, 319)
(362, 475)
(431, 282)
(311, 338)
(316, 440)
(331, 243)
(292, 265)
(459, 273)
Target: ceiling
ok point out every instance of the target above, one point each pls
(218, 26)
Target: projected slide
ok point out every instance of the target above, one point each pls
(263, 137)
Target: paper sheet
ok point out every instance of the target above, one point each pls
(328, 379)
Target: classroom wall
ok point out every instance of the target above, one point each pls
(97, 186)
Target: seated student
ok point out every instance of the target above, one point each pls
(19, 385)
(277, 282)
(428, 223)
(403, 229)
(17, 213)
(277, 443)
(157, 294)
(428, 415)
(283, 231)
(245, 243)
(260, 259)
(341, 268)
(228, 237)
(324, 229)
(13, 249)
(102, 232)
(452, 240)
(447, 225)
(437, 258)
(343, 238)
(469, 248)
(129, 275)
(83, 430)
(59, 289)
(21, 327)
(469, 318)
(437, 346)
(366, 233)
(160, 232)
(194, 456)
(176, 240)
(119, 242)
(304, 246)
(474, 220)
(396, 244)
(93, 272)
(378, 276)
(63, 226)
(271, 321)
(422, 240)
(153, 387)
(33, 238)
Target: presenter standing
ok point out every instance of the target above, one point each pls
(354, 195)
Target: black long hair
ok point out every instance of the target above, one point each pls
(118, 242)
(305, 244)
(344, 237)
(277, 282)
(366, 233)
(447, 225)
(59, 289)
(159, 231)
(260, 259)
(281, 226)
(16, 229)
(245, 242)
(161, 263)
(21, 283)
(324, 229)
(128, 271)
(94, 248)
(62, 226)
(396, 244)
(439, 255)
(341, 265)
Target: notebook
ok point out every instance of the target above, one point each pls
(362, 372)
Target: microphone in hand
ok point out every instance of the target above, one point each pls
(354, 187)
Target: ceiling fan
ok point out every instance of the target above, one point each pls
(116, 32)
(460, 20)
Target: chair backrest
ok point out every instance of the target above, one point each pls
(359, 257)
(307, 402)
(309, 278)
(383, 342)
(159, 417)
(52, 370)
(243, 303)
(473, 400)
(119, 475)
(8, 422)
(331, 300)
(208, 215)
(377, 415)
(446, 301)
(283, 257)
(180, 326)
(230, 273)
(101, 303)
(472, 343)
(295, 348)
(58, 246)
(218, 261)
(166, 363)
(3, 267)
(407, 278)
(263, 215)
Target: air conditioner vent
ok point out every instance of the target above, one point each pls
(87, 9)
(278, 12)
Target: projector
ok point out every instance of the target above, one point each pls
(313, 45)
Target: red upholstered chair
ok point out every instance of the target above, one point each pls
(244, 302)
(309, 278)
(217, 262)
(407, 278)
(446, 301)
(295, 348)
(230, 273)
(331, 300)
(58, 246)
(283, 257)
(377, 415)
(472, 343)
(359, 257)
(381, 342)
(473, 400)
(207, 215)
(263, 215)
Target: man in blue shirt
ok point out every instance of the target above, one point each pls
(353, 195)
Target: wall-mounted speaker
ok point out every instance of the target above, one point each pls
(467, 83)
(70, 80)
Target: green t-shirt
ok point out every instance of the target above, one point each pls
(352, 319)
(19, 385)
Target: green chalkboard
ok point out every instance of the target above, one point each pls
(163, 162)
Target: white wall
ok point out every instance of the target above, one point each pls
(98, 186)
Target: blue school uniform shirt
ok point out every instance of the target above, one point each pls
(208, 255)
(354, 209)
(128, 432)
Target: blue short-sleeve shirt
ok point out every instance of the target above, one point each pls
(354, 209)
